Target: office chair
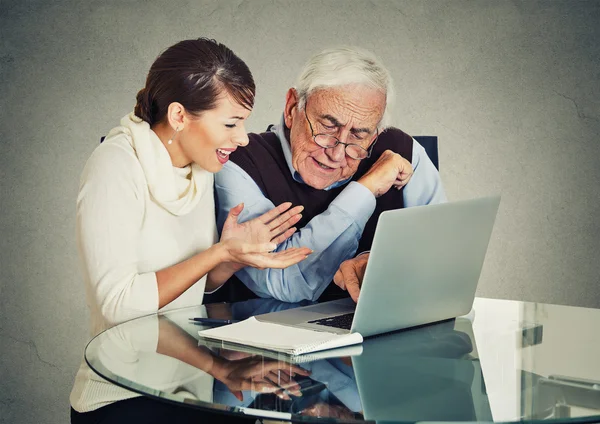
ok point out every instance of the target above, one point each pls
(430, 144)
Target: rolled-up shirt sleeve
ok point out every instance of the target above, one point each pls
(109, 216)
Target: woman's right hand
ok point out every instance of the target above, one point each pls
(251, 243)
(261, 255)
(258, 374)
(274, 226)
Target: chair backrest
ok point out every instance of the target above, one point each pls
(430, 144)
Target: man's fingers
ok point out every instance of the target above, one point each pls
(353, 285)
(353, 291)
(402, 180)
(398, 184)
(338, 279)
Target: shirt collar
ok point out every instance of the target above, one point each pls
(279, 131)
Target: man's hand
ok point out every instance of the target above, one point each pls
(350, 275)
(391, 169)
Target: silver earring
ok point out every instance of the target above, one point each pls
(173, 136)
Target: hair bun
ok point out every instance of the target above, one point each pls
(143, 108)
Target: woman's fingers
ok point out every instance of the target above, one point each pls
(256, 248)
(286, 258)
(269, 216)
(284, 218)
(265, 386)
(283, 237)
(233, 215)
(282, 366)
(285, 225)
(278, 260)
(288, 386)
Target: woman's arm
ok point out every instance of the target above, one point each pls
(175, 280)
(110, 214)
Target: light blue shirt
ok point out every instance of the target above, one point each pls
(333, 235)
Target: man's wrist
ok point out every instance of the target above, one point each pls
(365, 183)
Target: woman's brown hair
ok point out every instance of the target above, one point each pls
(194, 73)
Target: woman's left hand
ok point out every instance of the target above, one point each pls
(273, 226)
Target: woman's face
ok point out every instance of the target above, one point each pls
(208, 140)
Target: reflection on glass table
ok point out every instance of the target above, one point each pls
(506, 361)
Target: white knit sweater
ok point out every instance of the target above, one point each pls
(136, 214)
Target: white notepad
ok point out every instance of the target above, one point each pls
(338, 352)
(279, 338)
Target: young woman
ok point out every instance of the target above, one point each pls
(146, 227)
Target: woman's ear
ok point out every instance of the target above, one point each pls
(176, 116)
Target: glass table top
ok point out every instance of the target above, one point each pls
(506, 361)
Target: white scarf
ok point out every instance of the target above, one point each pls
(171, 187)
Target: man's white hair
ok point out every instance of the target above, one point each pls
(341, 66)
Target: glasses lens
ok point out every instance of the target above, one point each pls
(356, 152)
(326, 141)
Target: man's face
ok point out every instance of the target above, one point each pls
(350, 113)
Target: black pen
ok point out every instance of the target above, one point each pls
(213, 321)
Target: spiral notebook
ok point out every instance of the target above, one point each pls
(279, 338)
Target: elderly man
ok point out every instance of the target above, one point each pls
(333, 154)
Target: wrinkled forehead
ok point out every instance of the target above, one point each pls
(351, 104)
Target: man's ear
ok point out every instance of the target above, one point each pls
(291, 107)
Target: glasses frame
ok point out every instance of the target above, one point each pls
(338, 142)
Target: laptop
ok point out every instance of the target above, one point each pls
(424, 266)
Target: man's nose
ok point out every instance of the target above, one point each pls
(336, 153)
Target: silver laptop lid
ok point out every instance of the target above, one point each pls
(424, 265)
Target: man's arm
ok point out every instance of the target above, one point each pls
(333, 236)
(424, 188)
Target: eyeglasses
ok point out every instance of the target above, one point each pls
(328, 141)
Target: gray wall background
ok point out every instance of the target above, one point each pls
(510, 87)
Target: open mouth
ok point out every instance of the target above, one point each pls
(223, 155)
(323, 166)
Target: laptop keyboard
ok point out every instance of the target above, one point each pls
(340, 321)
